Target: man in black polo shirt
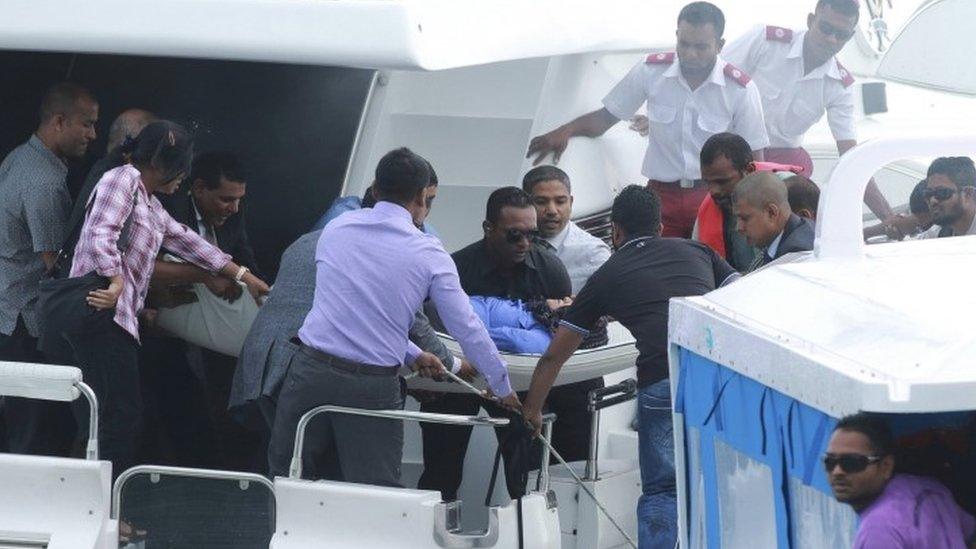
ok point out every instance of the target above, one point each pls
(634, 287)
(506, 263)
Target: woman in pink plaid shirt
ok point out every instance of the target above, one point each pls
(121, 237)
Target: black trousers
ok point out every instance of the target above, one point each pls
(29, 426)
(446, 445)
(108, 358)
(178, 429)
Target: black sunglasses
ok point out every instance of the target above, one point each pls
(514, 236)
(839, 34)
(941, 194)
(849, 463)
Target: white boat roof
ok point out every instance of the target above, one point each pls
(884, 328)
(402, 34)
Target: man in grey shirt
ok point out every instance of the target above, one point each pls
(34, 208)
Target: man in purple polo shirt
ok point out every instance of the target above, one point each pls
(896, 511)
(374, 268)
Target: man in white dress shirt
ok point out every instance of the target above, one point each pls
(581, 252)
(800, 79)
(691, 94)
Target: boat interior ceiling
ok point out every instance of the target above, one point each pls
(387, 34)
(293, 126)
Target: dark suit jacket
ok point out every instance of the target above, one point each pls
(231, 236)
(798, 236)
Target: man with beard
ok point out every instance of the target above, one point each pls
(895, 511)
(950, 191)
(691, 94)
(725, 160)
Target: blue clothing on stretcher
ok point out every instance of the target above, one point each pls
(511, 326)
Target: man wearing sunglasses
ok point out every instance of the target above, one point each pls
(895, 511)
(507, 263)
(950, 192)
(800, 78)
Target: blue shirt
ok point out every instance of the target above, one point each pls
(513, 328)
(374, 269)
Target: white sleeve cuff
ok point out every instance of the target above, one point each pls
(455, 365)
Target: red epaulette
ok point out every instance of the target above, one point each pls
(664, 58)
(845, 75)
(736, 74)
(779, 34)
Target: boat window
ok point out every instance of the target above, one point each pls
(818, 520)
(745, 499)
(293, 126)
(184, 512)
(698, 528)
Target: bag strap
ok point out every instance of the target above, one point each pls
(77, 221)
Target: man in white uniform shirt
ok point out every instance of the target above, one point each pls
(691, 94)
(800, 78)
(581, 253)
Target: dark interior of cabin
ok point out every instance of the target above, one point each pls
(293, 126)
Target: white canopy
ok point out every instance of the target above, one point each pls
(883, 328)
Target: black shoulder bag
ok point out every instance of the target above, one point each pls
(62, 306)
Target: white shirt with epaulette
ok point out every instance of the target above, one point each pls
(680, 120)
(792, 101)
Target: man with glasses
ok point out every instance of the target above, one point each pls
(507, 263)
(895, 511)
(800, 78)
(950, 193)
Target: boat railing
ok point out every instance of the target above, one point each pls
(51, 382)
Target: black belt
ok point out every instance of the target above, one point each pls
(343, 364)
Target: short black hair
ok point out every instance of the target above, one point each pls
(703, 13)
(873, 427)
(802, 193)
(637, 210)
(433, 181)
(401, 175)
(545, 173)
(916, 201)
(505, 197)
(164, 146)
(959, 169)
(214, 165)
(731, 146)
(62, 98)
(850, 8)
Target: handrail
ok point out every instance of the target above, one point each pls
(839, 222)
(295, 470)
(183, 472)
(91, 449)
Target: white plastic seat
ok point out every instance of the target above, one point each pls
(56, 502)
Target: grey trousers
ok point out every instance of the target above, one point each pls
(338, 446)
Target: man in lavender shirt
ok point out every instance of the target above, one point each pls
(896, 511)
(374, 268)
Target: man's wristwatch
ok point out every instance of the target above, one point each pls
(240, 273)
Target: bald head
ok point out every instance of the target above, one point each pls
(128, 124)
(762, 208)
(761, 189)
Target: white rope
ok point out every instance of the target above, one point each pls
(558, 457)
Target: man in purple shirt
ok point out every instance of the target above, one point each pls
(374, 268)
(896, 511)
